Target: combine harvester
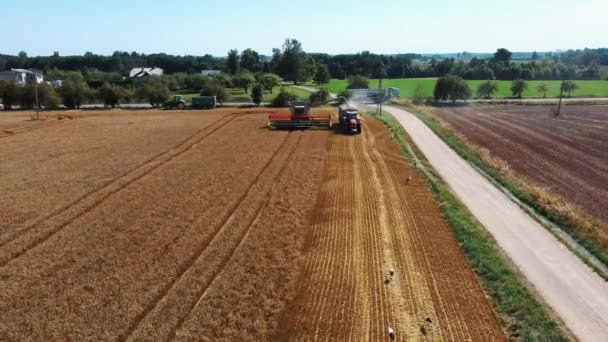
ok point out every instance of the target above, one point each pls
(300, 117)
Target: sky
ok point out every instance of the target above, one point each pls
(198, 27)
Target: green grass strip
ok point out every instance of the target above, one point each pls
(520, 312)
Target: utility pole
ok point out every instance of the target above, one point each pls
(36, 91)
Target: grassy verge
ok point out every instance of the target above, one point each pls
(520, 312)
(408, 86)
(567, 223)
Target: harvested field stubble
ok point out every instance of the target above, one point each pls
(369, 221)
(156, 226)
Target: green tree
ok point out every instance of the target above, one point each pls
(292, 61)
(217, 89)
(232, 63)
(10, 93)
(283, 98)
(269, 81)
(487, 89)
(322, 75)
(518, 87)
(74, 92)
(451, 88)
(224, 79)
(250, 60)
(503, 55)
(111, 95)
(257, 94)
(569, 86)
(358, 82)
(309, 70)
(320, 96)
(154, 91)
(543, 88)
(243, 80)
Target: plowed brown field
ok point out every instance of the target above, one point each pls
(200, 225)
(567, 154)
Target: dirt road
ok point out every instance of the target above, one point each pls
(578, 296)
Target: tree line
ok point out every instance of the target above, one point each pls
(294, 64)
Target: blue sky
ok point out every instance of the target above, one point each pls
(383, 26)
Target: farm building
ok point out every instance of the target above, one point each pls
(20, 76)
(210, 73)
(145, 72)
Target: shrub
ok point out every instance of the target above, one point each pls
(319, 96)
(358, 82)
(345, 94)
(217, 89)
(518, 87)
(10, 93)
(418, 98)
(112, 95)
(283, 98)
(486, 89)
(155, 91)
(74, 92)
(451, 88)
(257, 94)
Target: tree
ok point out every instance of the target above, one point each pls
(451, 88)
(10, 93)
(111, 95)
(74, 92)
(292, 61)
(22, 54)
(250, 60)
(257, 94)
(502, 55)
(283, 98)
(534, 56)
(269, 81)
(224, 79)
(486, 89)
(309, 69)
(322, 75)
(153, 90)
(518, 87)
(217, 89)
(320, 96)
(47, 97)
(569, 86)
(358, 82)
(243, 80)
(543, 88)
(232, 62)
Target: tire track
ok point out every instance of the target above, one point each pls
(21, 244)
(19, 131)
(153, 311)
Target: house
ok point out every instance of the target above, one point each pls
(21, 76)
(145, 72)
(211, 73)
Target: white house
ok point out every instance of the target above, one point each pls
(211, 73)
(20, 76)
(145, 72)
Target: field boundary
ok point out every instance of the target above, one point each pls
(586, 249)
(519, 309)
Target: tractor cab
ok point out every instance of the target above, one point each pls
(177, 102)
(350, 122)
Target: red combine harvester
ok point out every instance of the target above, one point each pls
(300, 117)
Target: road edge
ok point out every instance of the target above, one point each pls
(527, 317)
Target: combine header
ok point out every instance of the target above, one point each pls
(300, 117)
